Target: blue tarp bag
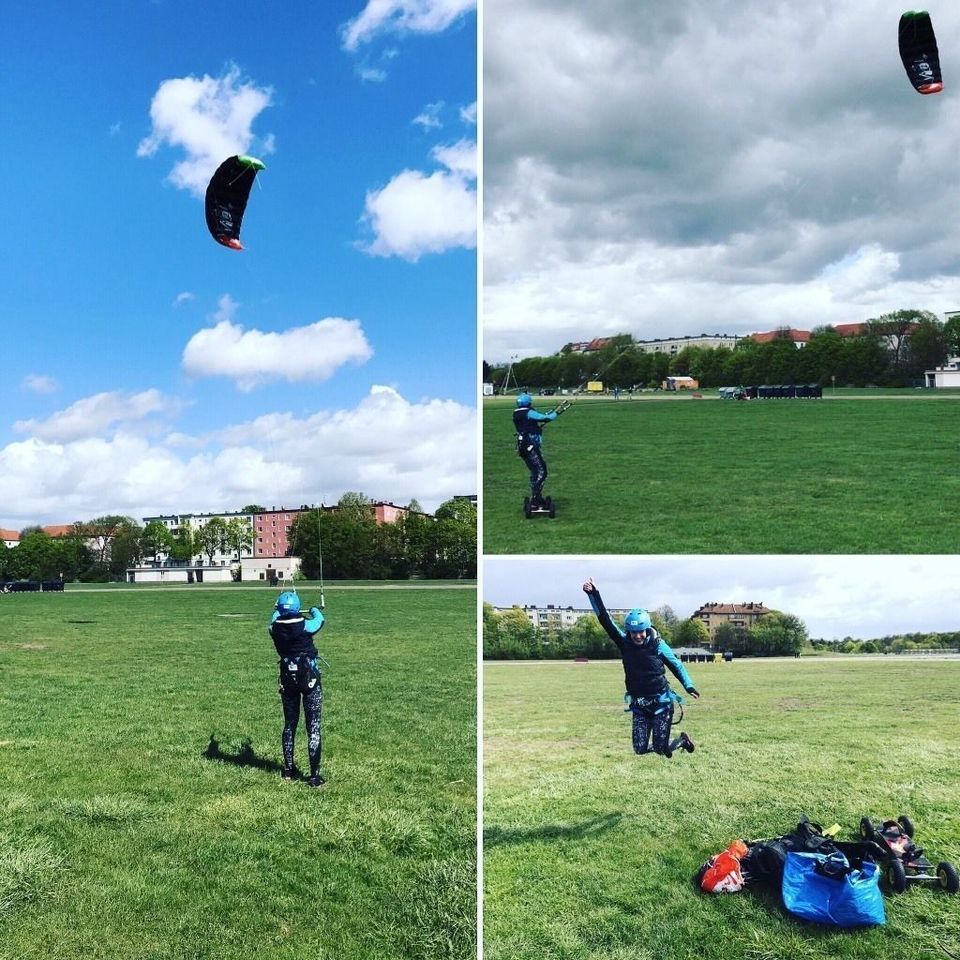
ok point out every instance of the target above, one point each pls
(825, 889)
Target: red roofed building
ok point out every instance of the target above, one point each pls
(741, 616)
(10, 537)
(589, 346)
(799, 338)
(59, 530)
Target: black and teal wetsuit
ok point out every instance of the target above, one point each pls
(529, 424)
(644, 667)
(300, 679)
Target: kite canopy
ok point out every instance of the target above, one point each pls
(918, 50)
(227, 195)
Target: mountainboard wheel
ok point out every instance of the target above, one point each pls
(947, 877)
(896, 876)
(866, 829)
(526, 507)
(906, 824)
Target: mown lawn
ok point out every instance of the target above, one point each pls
(856, 473)
(141, 809)
(589, 850)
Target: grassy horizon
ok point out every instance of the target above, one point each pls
(852, 474)
(590, 851)
(143, 812)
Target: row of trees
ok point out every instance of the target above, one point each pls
(509, 635)
(897, 643)
(353, 544)
(893, 350)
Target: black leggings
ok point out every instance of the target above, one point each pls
(296, 685)
(646, 722)
(537, 466)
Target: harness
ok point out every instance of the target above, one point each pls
(651, 706)
(303, 670)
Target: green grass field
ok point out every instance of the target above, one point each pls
(589, 850)
(124, 833)
(859, 473)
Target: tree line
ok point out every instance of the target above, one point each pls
(348, 540)
(510, 635)
(893, 350)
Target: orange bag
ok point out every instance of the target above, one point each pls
(722, 872)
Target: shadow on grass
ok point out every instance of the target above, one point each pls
(246, 756)
(499, 836)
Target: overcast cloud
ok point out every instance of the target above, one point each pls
(710, 166)
(861, 597)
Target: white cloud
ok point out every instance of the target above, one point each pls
(386, 446)
(403, 16)
(429, 116)
(468, 114)
(211, 118)
(100, 413)
(252, 357)
(184, 297)
(418, 213)
(372, 74)
(39, 383)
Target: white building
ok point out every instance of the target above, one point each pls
(265, 569)
(945, 376)
(195, 522)
(673, 345)
(553, 617)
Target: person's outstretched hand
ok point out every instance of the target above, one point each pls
(588, 587)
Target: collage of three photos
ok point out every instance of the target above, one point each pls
(478, 480)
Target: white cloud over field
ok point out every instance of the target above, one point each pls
(709, 167)
(90, 460)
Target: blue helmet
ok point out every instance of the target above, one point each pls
(636, 621)
(288, 602)
(524, 400)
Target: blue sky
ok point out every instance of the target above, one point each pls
(148, 369)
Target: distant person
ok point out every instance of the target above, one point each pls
(529, 424)
(649, 697)
(300, 680)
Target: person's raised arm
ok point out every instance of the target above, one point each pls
(612, 630)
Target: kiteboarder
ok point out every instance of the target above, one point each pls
(648, 697)
(292, 634)
(529, 424)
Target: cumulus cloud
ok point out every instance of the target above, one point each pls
(210, 118)
(468, 114)
(386, 446)
(418, 213)
(100, 413)
(39, 383)
(429, 116)
(403, 16)
(253, 357)
(631, 185)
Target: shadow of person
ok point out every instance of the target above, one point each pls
(497, 836)
(246, 756)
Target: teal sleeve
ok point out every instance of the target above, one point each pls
(673, 662)
(314, 623)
